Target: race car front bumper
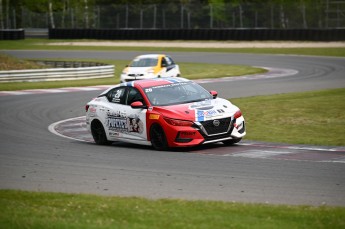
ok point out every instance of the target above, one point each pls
(202, 133)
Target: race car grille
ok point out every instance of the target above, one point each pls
(129, 80)
(218, 126)
(135, 75)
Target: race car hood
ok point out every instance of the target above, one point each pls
(139, 70)
(199, 111)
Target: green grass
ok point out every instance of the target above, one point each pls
(21, 209)
(315, 118)
(41, 44)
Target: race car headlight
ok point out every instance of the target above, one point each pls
(238, 114)
(178, 122)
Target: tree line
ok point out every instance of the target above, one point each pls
(282, 14)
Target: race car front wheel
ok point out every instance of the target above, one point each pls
(98, 133)
(158, 138)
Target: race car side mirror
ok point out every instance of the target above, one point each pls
(214, 94)
(137, 105)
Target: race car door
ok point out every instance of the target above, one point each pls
(136, 118)
(123, 122)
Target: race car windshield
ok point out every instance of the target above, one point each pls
(144, 62)
(177, 93)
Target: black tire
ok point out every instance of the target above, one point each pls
(98, 133)
(232, 141)
(158, 138)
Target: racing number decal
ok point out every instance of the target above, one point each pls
(118, 94)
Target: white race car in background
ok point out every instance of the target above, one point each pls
(150, 66)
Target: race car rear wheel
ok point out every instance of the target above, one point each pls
(98, 133)
(232, 141)
(158, 138)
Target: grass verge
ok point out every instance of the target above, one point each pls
(315, 118)
(20, 209)
(8, 63)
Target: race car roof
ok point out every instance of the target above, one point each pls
(149, 56)
(156, 82)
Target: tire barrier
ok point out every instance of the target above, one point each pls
(68, 64)
(70, 71)
(12, 34)
(201, 34)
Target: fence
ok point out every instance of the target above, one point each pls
(321, 14)
(11, 34)
(54, 74)
(201, 34)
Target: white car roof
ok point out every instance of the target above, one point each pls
(149, 56)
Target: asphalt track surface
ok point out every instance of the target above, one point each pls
(32, 158)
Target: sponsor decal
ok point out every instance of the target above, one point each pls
(117, 122)
(135, 125)
(154, 116)
(117, 97)
(203, 105)
(187, 134)
(114, 134)
(174, 83)
(204, 115)
(204, 110)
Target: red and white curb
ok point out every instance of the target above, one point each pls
(51, 91)
(75, 129)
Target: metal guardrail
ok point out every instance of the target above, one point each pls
(55, 74)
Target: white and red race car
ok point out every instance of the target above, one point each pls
(164, 113)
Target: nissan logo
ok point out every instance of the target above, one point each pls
(216, 122)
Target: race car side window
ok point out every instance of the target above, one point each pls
(169, 60)
(164, 62)
(133, 96)
(117, 95)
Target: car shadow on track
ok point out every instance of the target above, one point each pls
(213, 147)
